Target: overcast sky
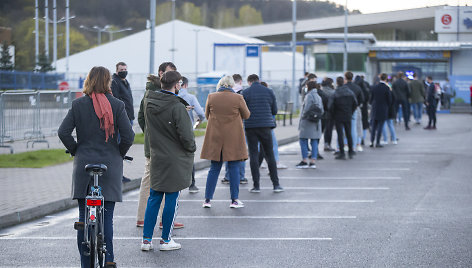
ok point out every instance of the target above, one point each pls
(371, 6)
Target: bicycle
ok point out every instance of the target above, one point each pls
(94, 223)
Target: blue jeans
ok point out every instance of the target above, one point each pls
(168, 214)
(304, 148)
(275, 146)
(214, 172)
(242, 170)
(109, 208)
(417, 111)
(353, 130)
(391, 128)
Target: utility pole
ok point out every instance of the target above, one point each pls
(54, 42)
(173, 30)
(345, 40)
(196, 53)
(46, 27)
(294, 49)
(36, 31)
(153, 41)
(67, 38)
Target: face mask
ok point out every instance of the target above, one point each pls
(123, 74)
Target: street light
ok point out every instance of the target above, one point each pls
(96, 29)
(111, 32)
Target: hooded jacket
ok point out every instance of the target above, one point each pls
(153, 84)
(171, 141)
(342, 104)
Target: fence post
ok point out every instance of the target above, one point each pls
(2, 126)
(38, 136)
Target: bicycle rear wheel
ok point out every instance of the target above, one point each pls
(93, 246)
(101, 249)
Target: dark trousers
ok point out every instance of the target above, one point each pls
(346, 125)
(109, 208)
(405, 110)
(377, 127)
(328, 132)
(263, 136)
(431, 110)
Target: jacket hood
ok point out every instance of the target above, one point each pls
(161, 101)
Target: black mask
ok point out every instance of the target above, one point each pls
(123, 74)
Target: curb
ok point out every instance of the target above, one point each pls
(66, 203)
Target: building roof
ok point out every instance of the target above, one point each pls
(419, 45)
(411, 19)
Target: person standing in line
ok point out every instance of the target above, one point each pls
(327, 87)
(448, 93)
(389, 122)
(97, 118)
(417, 98)
(380, 99)
(238, 88)
(263, 106)
(153, 84)
(224, 138)
(308, 128)
(356, 115)
(341, 106)
(402, 93)
(194, 106)
(364, 110)
(172, 150)
(122, 90)
(431, 103)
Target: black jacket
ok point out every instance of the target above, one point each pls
(122, 91)
(401, 90)
(357, 92)
(381, 99)
(262, 105)
(342, 104)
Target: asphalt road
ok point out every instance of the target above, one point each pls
(405, 205)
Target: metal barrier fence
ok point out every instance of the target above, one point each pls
(34, 115)
(29, 80)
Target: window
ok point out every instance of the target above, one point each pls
(333, 62)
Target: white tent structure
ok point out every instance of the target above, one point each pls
(134, 51)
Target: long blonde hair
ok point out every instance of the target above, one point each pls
(98, 80)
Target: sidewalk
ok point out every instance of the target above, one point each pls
(29, 193)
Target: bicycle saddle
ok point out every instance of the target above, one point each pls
(95, 168)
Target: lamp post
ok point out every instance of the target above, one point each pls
(345, 40)
(46, 29)
(173, 30)
(196, 53)
(152, 40)
(96, 29)
(111, 32)
(294, 47)
(36, 30)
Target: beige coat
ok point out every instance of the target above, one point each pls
(225, 111)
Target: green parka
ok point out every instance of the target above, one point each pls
(171, 140)
(152, 84)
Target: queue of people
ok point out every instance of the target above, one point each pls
(240, 127)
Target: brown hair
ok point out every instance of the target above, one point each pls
(310, 85)
(120, 64)
(98, 80)
(169, 79)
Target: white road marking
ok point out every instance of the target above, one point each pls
(252, 217)
(385, 169)
(329, 178)
(276, 201)
(177, 238)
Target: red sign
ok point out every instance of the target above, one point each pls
(446, 19)
(64, 86)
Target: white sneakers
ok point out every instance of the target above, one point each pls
(359, 148)
(171, 245)
(236, 204)
(146, 245)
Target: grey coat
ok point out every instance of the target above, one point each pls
(91, 148)
(309, 129)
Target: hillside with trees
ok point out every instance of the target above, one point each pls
(119, 14)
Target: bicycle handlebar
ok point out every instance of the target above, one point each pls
(127, 158)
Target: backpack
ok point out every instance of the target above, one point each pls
(313, 114)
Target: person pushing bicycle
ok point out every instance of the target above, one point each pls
(98, 118)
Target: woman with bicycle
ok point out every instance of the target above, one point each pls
(104, 135)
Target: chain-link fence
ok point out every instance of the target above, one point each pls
(35, 115)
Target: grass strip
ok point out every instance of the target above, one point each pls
(34, 159)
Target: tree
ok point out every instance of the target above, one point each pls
(5, 58)
(44, 65)
(163, 13)
(249, 15)
(190, 13)
(225, 18)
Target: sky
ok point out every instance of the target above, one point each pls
(373, 6)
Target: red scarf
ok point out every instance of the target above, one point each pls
(102, 108)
